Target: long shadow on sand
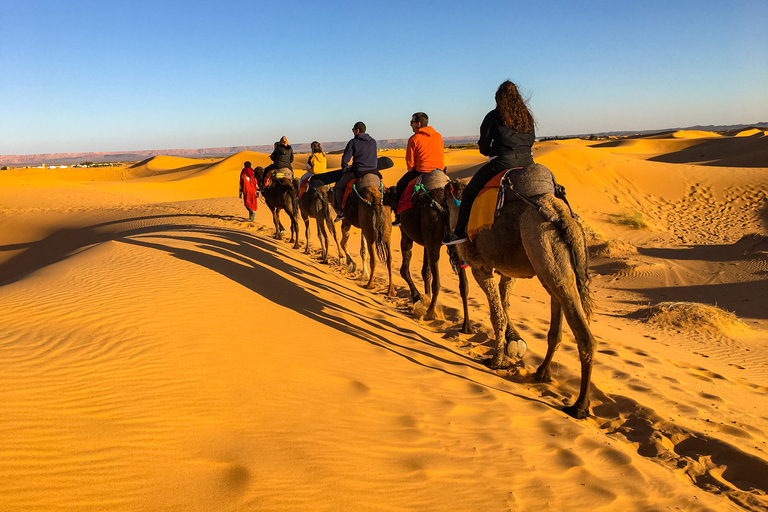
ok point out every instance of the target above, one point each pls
(727, 152)
(259, 268)
(253, 263)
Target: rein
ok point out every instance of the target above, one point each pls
(421, 188)
(381, 189)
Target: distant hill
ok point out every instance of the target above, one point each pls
(223, 152)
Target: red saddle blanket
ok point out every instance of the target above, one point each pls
(429, 180)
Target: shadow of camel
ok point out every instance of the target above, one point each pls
(252, 262)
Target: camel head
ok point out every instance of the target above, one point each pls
(390, 197)
(452, 198)
(259, 173)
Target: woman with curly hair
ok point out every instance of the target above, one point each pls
(506, 138)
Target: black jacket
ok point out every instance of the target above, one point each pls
(362, 151)
(282, 157)
(499, 140)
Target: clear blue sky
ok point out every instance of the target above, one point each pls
(133, 75)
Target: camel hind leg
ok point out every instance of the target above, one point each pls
(431, 275)
(367, 249)
(559, 279)
(466, 327)
(305, 218)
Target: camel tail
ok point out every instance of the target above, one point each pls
(378, 224)
(576, 240)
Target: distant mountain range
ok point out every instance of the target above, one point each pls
(222, 152)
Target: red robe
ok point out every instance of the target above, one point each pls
(248, 188)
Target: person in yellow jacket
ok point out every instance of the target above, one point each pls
(317, 163)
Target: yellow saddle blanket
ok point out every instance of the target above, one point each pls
(484, 208)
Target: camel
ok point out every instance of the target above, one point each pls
(364, 210)
(280, 194)
(314, 203)
(522, 244)
(425, 224)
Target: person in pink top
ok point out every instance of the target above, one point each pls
(424, 153)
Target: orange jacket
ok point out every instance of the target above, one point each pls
(424, 152)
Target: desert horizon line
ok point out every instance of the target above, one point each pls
(329, 146)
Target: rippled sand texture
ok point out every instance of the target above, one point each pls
(160, 352)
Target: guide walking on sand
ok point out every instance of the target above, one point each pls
(249, 190)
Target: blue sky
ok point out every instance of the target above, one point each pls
(134, 75)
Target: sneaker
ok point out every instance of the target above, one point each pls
(339, 217)
(396, 224)
(454, 239)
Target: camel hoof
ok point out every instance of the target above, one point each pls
(576, 412)
(542, 376)
(516, 348)
(466, 329)
(498, 363)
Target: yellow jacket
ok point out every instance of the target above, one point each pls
(317, 163)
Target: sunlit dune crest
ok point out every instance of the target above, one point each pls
(693, 134)
(161, 352)
(750, 133)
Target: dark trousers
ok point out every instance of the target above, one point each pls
(341, 186)
(481, 177)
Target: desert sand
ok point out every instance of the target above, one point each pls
(160, 352)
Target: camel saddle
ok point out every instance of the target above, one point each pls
(421, 186)
(517, 184)
(283, 175)
(370, 179)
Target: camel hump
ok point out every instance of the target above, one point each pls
(533, 180)
(370, 179)
(433, 180)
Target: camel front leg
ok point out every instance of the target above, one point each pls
(295, 236)
(276, 220)
(322, 236)
(406, 250)
(489, 285)
(306, 232)
(466, 328)
(351, 267)
(516, 347)
(391, 289)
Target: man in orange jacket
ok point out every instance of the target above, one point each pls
(424, 153)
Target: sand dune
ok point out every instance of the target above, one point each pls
(159, 352)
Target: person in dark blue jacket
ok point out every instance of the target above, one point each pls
(359, 158)
(506, 138)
